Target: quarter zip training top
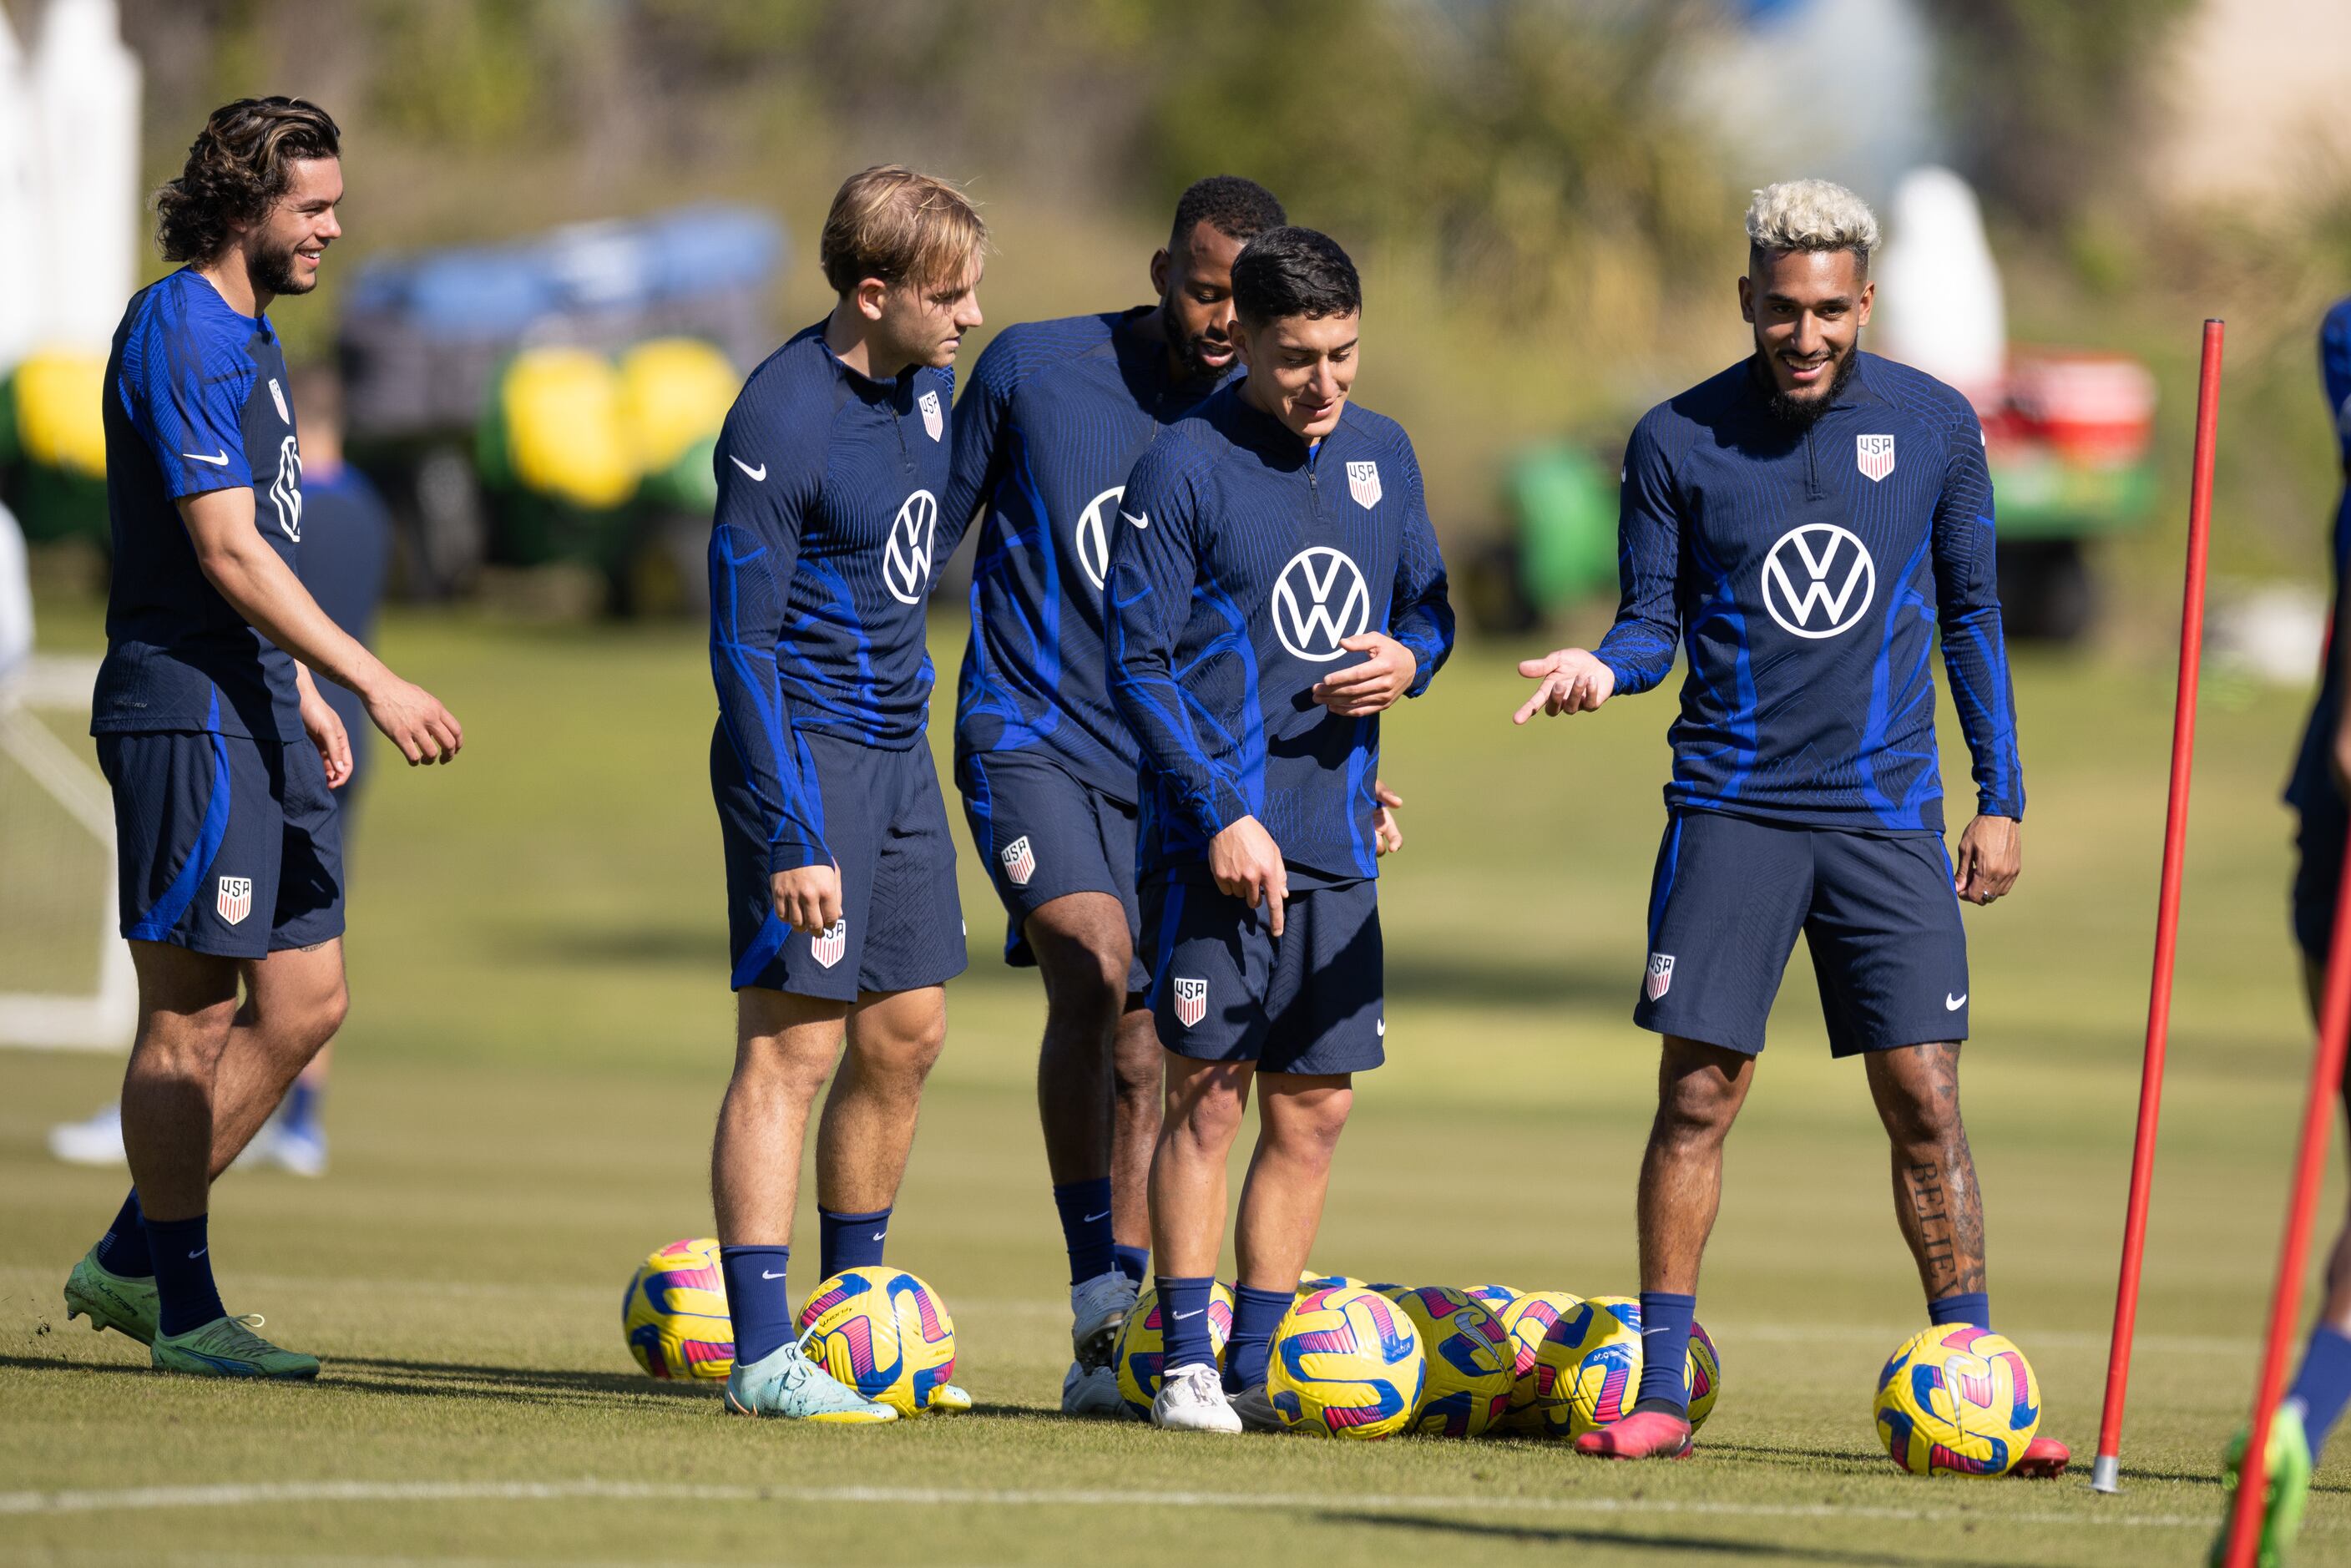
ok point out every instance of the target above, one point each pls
(1245, 560)
(1806, 570)
(821, 552)
(1055, 417)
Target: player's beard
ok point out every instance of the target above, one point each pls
(1805, 413)
(274, 272)
(1189, 344)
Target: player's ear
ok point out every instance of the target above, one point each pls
(1162, 266)
(1868, 292)
(1747, 300)
(872, 295)
(1242, 339)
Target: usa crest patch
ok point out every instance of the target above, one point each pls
(1020, 861)
(1874, 456)
(1661, 976)
(827, 948)
(935, 419)
(1364, 483)
(1191, 1002)
(234, 898)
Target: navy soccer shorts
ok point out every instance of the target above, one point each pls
(224, 845)
(2318, 844)
(901, 924)
(1879, 912)
(1224, 988)
(1042, 836)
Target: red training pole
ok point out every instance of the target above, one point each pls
(2301, 1204)
(2106, 1469)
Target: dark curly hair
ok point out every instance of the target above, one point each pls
(236, 170)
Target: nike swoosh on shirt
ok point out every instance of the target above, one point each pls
(1142, 522)
(219, 462)
(759, 473)
(1952, 1004)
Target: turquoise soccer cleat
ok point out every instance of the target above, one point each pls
(946, 1399)
(227, 1347)
(112, 1300)
(2289, 1488)
(789, 1386)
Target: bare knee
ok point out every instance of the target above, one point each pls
(902, 1053)
(1306, 1126)
(1139, 1065)
(1083, 947)
(1696, 1107)
(1203, 1113)
(182, 1044)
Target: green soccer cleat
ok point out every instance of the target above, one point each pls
(227, 1347)
(948, 1399)
(788, 1385)
(112, 1300)
(2289, 1488)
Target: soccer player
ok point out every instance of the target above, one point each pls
(220, 750)
(2322, 774)
(1804, 522)
(1275, 588)
(841, 885)
(1056, 415)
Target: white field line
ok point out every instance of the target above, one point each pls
(1458, 1504)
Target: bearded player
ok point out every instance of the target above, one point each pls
(840, 884)
(1799, 522)
(220, 751)
(1279, 588)
(1056, 415)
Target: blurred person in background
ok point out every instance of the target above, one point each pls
(15, 600)
(1805, 521)
(1053, 421)
(844, 921)
(2315, 792)
(221, 753)
(346, 551)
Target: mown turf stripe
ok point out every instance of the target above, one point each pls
(271, 1493)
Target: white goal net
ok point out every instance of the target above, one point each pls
(66, 980)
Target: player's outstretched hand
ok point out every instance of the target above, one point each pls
(807, 898)
(1360, 690)
(1572, 681)
(1247, 865)
(414, 719)
(1991, 851)
(1387, 830)
(325, 728)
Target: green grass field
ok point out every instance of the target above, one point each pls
(540, 1032)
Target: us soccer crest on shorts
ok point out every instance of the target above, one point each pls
(1661, 976)
(1191, 1002)
(234, 899)
(827, 948)
(1020, 861)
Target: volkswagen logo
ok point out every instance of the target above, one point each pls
(1818, 579)
(906, 560)
(1319, 601)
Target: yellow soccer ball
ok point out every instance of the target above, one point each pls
(1527, 1318)
(1957, 1400)
(1472, 1362)
(1346, 1362)
(883, 1332)
(1705, 1376)
(674, 1314)
(1593, 1358)
(1143, 1342)
(1309, 1281)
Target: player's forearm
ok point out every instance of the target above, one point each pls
(1151, 710)
(1975, 662)
(1639, 653)
(1426, 631)
(263, 590)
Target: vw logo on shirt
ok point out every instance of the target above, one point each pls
(1818, 579)
(1091, 539)
(1320, 600)
(906, 558)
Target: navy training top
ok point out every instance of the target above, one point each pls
(2312, 779)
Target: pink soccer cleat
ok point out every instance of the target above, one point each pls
(1643, 1435)
(2045, 1460)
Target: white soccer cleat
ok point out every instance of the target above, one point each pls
(1192, 1399)
(96, 1142)
(300, 1150)
(1097, 1309)
(1091, 1391)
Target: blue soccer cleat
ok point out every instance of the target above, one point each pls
(787, 1386)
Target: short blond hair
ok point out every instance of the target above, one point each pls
(892, 223)
(1811, 214)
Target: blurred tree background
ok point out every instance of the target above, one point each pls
(1547, 222)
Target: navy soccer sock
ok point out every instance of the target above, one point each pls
(1971, 1307)
(123, 1249)
(1666, 1319)
(1085, 1227)
(2323, 1386)
(850, 1240)
(758, 1299)
(1183, 1322)
(301, 1109)
(1136, 1261)
(1256, 1314)
(185, 1297)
